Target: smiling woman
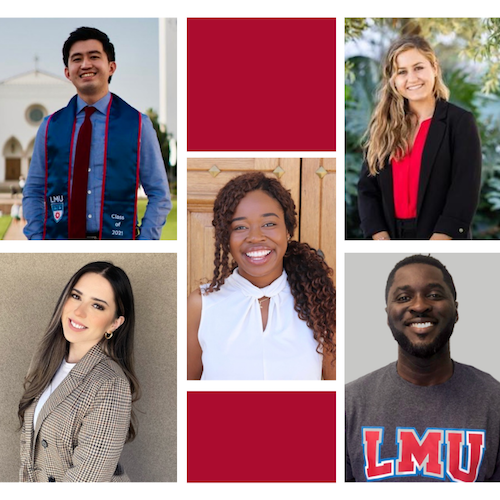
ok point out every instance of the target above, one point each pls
(269, 313)
(76, 412)
(422, 170)
(85, 316)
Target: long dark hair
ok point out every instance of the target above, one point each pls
(309, 276)
(54, 347)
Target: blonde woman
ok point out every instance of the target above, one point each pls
(422, 170)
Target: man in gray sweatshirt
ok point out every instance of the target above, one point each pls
(424, 417)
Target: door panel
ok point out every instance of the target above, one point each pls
(12, 169)
(200, 247)
(318, 206)
(207, 176)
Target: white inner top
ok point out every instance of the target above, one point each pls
(234, 344)
(60, 375)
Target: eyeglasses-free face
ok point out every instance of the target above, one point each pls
(89, 312)
(421, 311)
(89, 70)
(259, 238)
(415, 76)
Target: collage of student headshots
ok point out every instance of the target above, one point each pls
(191, 297)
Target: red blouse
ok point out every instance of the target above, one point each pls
(406, 174)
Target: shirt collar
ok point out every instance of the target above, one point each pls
(101, 105)
(250, 290)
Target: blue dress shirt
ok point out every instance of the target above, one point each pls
(151, 172)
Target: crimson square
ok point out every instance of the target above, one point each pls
(261, 85)
(261, 436)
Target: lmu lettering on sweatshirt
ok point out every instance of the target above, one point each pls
(439, 453)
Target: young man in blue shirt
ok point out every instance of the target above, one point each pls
(101, 172)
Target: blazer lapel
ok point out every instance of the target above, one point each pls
(28, 416)
(387, 188)
(74, 378)
(432, 145)
(57, 397)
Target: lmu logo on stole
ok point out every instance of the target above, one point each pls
(57, 205)
(459, 459)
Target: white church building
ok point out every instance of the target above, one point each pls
(24, 101)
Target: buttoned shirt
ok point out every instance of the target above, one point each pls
(151, 172)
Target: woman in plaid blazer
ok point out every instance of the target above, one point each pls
(76, 412)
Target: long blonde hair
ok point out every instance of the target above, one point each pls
(392, 123)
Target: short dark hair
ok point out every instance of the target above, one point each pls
(421, 259)
(86, 33)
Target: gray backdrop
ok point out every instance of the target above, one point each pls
(369, 343)
(30, 285)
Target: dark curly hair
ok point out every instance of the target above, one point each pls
(309, 276)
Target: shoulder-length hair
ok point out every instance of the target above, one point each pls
(54, 347)
(392, 123)
(309, 276)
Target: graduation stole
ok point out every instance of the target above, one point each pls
(122, 144)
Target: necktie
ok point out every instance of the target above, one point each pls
(78, 202)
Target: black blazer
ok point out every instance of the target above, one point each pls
(450, 180)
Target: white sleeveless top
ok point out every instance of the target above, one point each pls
(234, 344)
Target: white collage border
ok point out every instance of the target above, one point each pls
(183, 9)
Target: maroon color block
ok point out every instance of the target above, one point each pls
(261, 85)
(261, 436)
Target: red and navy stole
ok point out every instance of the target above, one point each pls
(122, 144)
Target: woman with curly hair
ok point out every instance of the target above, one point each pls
(75, 412)
(422, 170)
(269, 311)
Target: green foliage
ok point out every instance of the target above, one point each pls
(360, 101)
(163, 139)
(472, 86)
(354, 26)
(169, 231)
(476, 39)
(5, 221)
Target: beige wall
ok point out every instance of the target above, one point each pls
(30, 285)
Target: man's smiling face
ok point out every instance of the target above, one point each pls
(89, 69)
(421, 311)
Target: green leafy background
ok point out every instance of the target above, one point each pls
(469, 54)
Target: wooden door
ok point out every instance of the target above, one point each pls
(205, 177)
(317, 203)
(12, 169)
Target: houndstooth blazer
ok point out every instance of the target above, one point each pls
(82, 427)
